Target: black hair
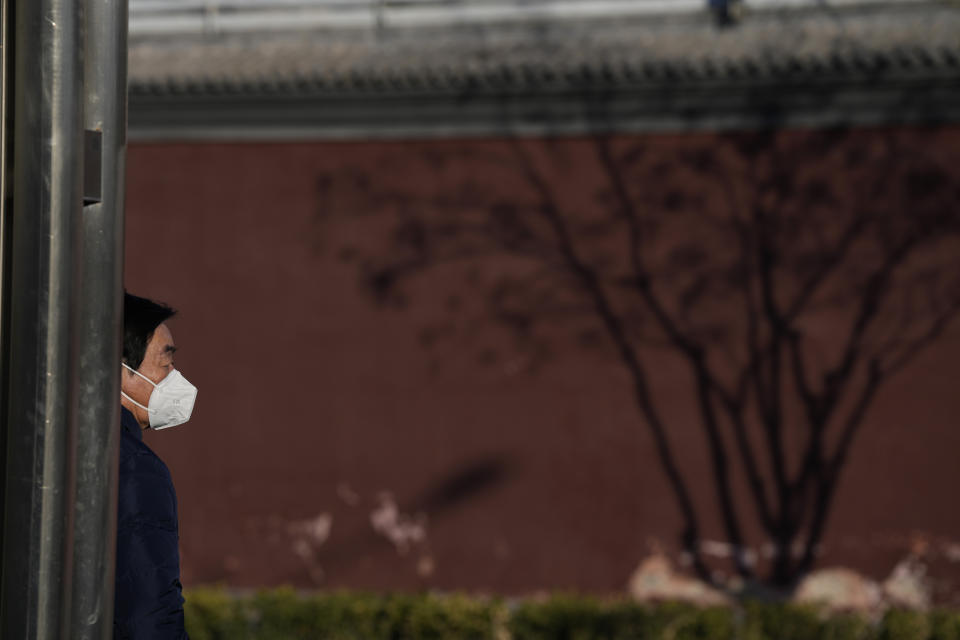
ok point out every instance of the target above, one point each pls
(141, 317)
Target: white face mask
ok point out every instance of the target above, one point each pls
(171, 402)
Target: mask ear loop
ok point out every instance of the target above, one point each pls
(147, 409)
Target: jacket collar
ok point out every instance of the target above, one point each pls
(129, 424)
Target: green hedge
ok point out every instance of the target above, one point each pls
(283, 614)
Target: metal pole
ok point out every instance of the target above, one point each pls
(98, 434)
(42, 394)
(6, 35)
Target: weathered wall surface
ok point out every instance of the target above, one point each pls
(332, 445)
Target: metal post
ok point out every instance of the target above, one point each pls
(6, 37)
(98, 434)
(42, 390)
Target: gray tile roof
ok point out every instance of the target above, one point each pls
(869, 41)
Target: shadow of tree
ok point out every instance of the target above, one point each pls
(792, 272)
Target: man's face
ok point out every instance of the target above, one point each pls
(157, 364)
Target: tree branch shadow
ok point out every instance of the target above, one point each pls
(793, 273)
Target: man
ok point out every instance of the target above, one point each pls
(148, 602)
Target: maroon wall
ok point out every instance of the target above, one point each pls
(314, 402)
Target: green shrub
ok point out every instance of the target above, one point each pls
(781, 621)
(847, 627)
(212, 614)
(561, 617)
(945, 625)
(283, 614)
(785, 621)
(905, 625)
(435, 618)
(716, 623)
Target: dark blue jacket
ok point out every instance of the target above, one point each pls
(148, 604)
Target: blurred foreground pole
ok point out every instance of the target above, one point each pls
(98, 424)
(41, 390)
(61, 315)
